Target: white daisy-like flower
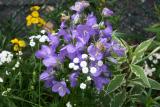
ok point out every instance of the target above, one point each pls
(43, 31)
(93, 70)
(100, 63)
(32, 44)
(76, 60)
(89, 78)
(83, 86)
(43, 39)
(1, 79)
(76, 67)
(85, 70)
(83, 64)
(71, 65)
(68, 104)
(84, 56)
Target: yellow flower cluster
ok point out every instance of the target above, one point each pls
(18, 44)
(34, 17)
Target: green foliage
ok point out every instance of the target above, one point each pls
(115, 83)
(139, 72)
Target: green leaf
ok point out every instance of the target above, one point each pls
(115, 83)
(139, 51)
(139, 72)
(118, 100)
(154, 84)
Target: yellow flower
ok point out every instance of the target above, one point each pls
(21, 43)
(29, 23)
(14, 41)
(18, 44)
(29, 17)
(35, 8)
(34, 20)
(35, 14)
(16, 48)
(41, 21)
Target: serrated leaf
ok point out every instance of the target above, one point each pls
(139, 72)
(118, 100)
(115, 83)
(154, 84)
(139, 51)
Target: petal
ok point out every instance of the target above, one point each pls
(50, 61)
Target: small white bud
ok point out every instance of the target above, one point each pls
(83, 86)
(83, 64)
(89, 78)
(84, 56)
(43, 31)
(1, 79)
(93, 70)
(85, 70)
(76, 60)
(100, 63)
(71, 65)
(76, 67)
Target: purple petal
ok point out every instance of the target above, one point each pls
(50, 61)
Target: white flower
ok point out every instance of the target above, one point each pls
(155, 61)
(43, 39)
(32, 37)
(89, 78)
(68, 104)
(76, 67)
(13, 68)
(7, 73)
(93, 70)
(148, 71)
(83, 64)
(43, 31)
(32, 44)
(100, 63)
(20, 52)
(85, 70)
(71, 65)
(157, 55)
(83, 86)
(84, 56)
(150, 58)
(76, 60)
(38, 36)
(5, 57)
(17, 65)
(1, 79)
(92, 59)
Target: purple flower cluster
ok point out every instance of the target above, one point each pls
(86, 45)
